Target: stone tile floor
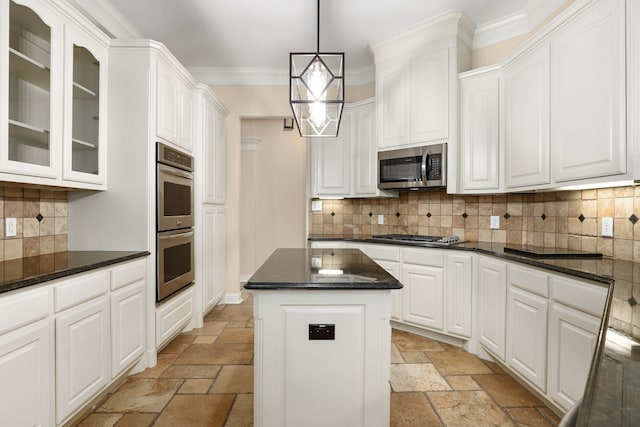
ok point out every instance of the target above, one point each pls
(205, 378)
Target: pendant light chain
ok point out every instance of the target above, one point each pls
(318, 30)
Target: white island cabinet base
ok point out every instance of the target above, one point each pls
(340, 382)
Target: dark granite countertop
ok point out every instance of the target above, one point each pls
(612, 392)
(328, 269)
(23, 272)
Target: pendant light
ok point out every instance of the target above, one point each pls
(316, 90)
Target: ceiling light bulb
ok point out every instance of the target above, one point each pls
(317, 81)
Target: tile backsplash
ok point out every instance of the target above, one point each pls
(565, 219)
(41, 222)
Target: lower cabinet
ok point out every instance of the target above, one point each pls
(423, 295)
(213, 256)
(492, 305)
(173, 315)
(82, 354)
(458, 294)
(527, 335)
(62, 344)
(26, 356)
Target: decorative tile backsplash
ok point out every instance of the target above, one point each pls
(41, 222)
(566, 219)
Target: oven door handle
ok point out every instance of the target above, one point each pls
(175, 172)
(181, 235)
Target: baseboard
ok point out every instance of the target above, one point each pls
(233, 298)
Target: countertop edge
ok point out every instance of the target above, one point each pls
(36, 280)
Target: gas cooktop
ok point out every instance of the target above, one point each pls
(448, 240)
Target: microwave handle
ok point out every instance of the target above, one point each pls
(425, 158)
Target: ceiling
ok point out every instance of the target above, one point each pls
(259, 34)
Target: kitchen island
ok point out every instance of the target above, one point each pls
(322, 339)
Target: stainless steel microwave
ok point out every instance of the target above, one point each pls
(413, 168)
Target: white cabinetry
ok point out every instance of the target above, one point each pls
(423, 292)
(492, 305)
(527, 119)
(53, 105)
(83, 363)
(388, 257)
(458, 294)
(527, 313)
(346, 166)
(588, 95)
(213, 149)
(576, 313)
(480, 130)
(26, 359)
(128, 300)
(393, 83)
(213, 256)
(174, 106)
(413, 99)
(172, 316)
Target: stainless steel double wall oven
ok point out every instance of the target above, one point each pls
(174, 221)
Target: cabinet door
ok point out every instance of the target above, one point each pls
(82, 355)
(31, 84)
(527, 336)
(492, 295)
(458, 294)
(26, 369)
(393, 104)
(331, 161)
(220, 145)
(430, 97)
(572, 340)
(185, 116)
(364, 153)
(127, 326)
(213, 253)
(527, 120)
(209, 171)
(588, 95)
(393, 268)
(423, 298)
(168, 99)
(85, 116)
(480, 132)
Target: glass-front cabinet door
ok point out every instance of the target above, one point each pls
(85, 113)
(30, 67)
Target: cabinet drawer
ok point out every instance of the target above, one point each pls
(80, 289)
(23, 308)
(584, 296)
(383, 253)
(530, 280)
(433, 258)
(128, 273)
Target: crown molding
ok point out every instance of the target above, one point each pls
(106, 17)
(246, 76)
(517, 24)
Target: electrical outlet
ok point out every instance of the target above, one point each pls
(495, 222)
(380, 219)
(10, 227)
(607, 227)
(316, 206)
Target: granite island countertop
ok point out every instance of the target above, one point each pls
(612, 392)
(23, 272)
(327, 269)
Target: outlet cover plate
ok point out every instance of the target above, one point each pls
(10, 227)
(495, 222)
(607, 227)
(380, 219)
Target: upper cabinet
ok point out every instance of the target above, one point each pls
(565, 114)
(346, 166)
(417, 85)
(480, 130)
(588, 95)
(527, 120)
(211, 128)
(52, 107)
(174, 122)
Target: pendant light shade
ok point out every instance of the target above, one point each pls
(316, 90)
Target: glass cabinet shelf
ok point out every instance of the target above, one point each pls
(29, 69)
(28, 134)
(83, 145)
(81, 92)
